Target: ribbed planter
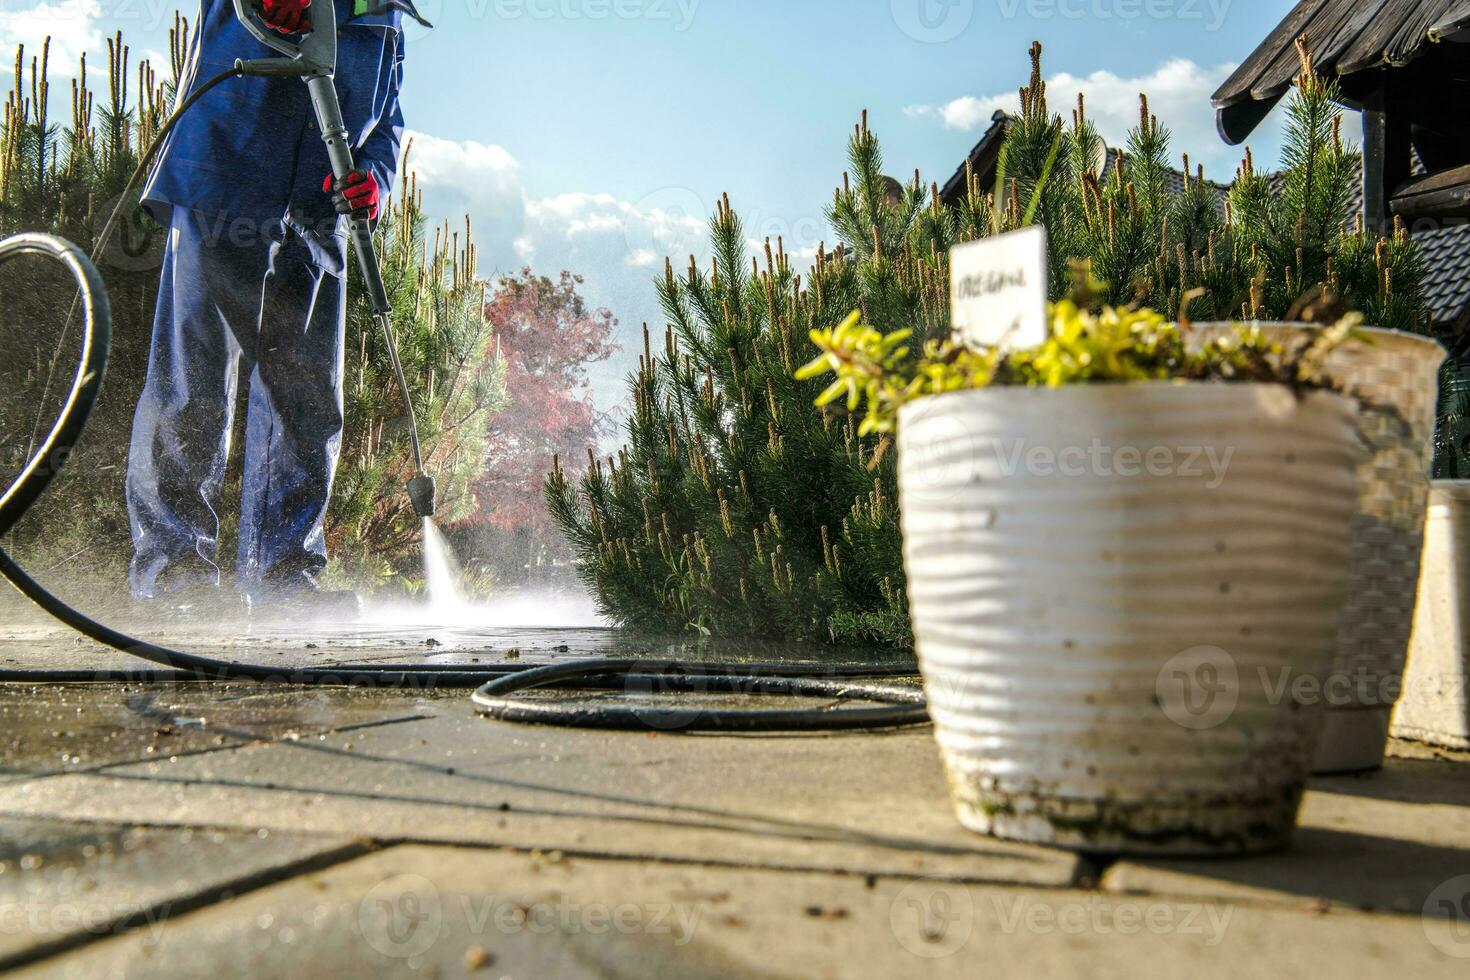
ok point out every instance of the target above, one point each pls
(1399, 373)
(1115, 590)
(1435, 706)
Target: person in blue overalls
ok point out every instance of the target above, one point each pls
(254, 270)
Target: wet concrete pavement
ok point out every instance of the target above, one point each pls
(251, 830)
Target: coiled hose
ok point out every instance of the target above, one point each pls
(899, 704)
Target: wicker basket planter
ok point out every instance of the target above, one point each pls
(1399, 373)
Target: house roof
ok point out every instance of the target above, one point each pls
(1446, 255)
(1445, 251)
(980, 159)
(1346, 37)
(1175, 181)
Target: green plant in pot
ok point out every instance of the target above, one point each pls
(1113, 540)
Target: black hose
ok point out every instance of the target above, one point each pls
(903, 706)
(48, 459)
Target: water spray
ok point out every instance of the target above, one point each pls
(313, 58)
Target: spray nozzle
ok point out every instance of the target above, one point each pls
(421, 493)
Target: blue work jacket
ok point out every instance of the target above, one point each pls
(249, 152)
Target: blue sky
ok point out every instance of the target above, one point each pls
(596, 134)
(756, 96)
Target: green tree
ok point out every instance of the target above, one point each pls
(738, 508)
(735, 508)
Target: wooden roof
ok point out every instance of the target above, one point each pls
(1346, 37)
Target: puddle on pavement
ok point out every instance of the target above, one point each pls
(65, 727)
(334, 644)
(46, 728)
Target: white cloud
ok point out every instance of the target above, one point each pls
(1179, 94)
(71, 25)
(617, 245)
(472, 178)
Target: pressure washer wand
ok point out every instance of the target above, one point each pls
(314, 59)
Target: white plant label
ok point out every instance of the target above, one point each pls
(997, 290)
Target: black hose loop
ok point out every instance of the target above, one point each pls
(901, 705)
(48, 458)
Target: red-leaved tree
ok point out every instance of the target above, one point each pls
(548, 337)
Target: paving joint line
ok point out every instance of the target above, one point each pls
(165, 911)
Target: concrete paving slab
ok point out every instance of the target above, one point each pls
(54, 728)
(65, 884)
(1380, 841)
(440, 912)
(867, 803)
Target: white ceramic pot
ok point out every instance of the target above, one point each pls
(1399, 373)
(1435, 706)
(1115, 591)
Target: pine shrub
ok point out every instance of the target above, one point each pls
(738, 508)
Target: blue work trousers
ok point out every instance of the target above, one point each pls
(230, 297)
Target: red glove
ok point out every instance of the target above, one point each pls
(286, 16)
(357, 195)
